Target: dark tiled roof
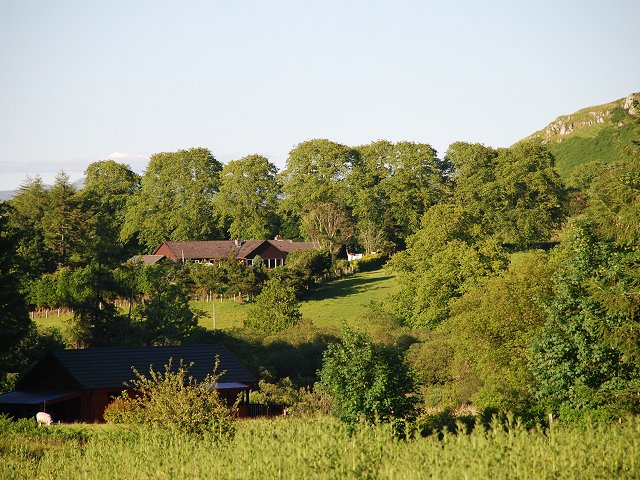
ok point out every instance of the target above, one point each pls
(110, 367)
(219, 249)
(203, 249)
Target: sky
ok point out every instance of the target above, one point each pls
(82, 81)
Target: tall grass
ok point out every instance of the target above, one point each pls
(323, 448)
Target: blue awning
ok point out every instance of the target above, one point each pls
(36, 398)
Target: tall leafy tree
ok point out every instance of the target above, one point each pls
(366, 380)
(65, 224)
(586, 357)
(315, 173)
(175, 201)
(164, 316)
(248, 198)
(391, 186)
(275, 309)
(25, 219)
(14, 318)
(444, 259)
(491, 328)
(531, 195)
(89, 291)
(328, 225)
(514, 194)
(107, 188)
(417, 181)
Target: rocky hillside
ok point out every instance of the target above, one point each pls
(602, 132)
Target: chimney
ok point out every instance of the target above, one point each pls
(238, 242)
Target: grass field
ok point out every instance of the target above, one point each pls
(320, 448)
(341, 300)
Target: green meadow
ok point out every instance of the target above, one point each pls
(341, 300)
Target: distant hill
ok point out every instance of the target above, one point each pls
(602, 132)
(9, 194)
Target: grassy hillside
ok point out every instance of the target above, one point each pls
(334, 302)
(344, 299)
(601, 132)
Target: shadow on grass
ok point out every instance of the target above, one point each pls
(295, 353)
(345, 286)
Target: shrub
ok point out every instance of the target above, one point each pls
(299, 402)
(369, 263)
(275, 309)
(174, 401)
(366, 380)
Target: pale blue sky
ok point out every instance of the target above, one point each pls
(86, 80)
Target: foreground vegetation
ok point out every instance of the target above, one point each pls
(319, 448)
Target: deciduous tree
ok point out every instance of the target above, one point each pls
(248, 198)
(175, 201)
(366, 381)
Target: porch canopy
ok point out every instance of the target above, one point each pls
(36, 398)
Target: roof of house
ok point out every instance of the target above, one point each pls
(218, 249)
(95, 368)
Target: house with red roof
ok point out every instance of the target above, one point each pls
(272, 252)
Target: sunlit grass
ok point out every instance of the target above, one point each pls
(324, 448)
(332, 303)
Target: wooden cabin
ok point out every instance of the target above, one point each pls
(77, 385)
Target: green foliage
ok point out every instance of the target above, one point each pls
(14, 318)
(328, 225)
(490, 330)
(299, 401)
(89, 291)
(25, 219)
(614, 202)
(305, 268)
(530, 195)
(314, 172)
(65, 225)
(392, 185)
(107, 188)
(175, 201)
(275, 308)
(164, 316)
(369, 263)
(514, 194)
(442, 261)
(586, 356)
(172, 400)
(248, 198)
(584, 175)
(366, 380)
